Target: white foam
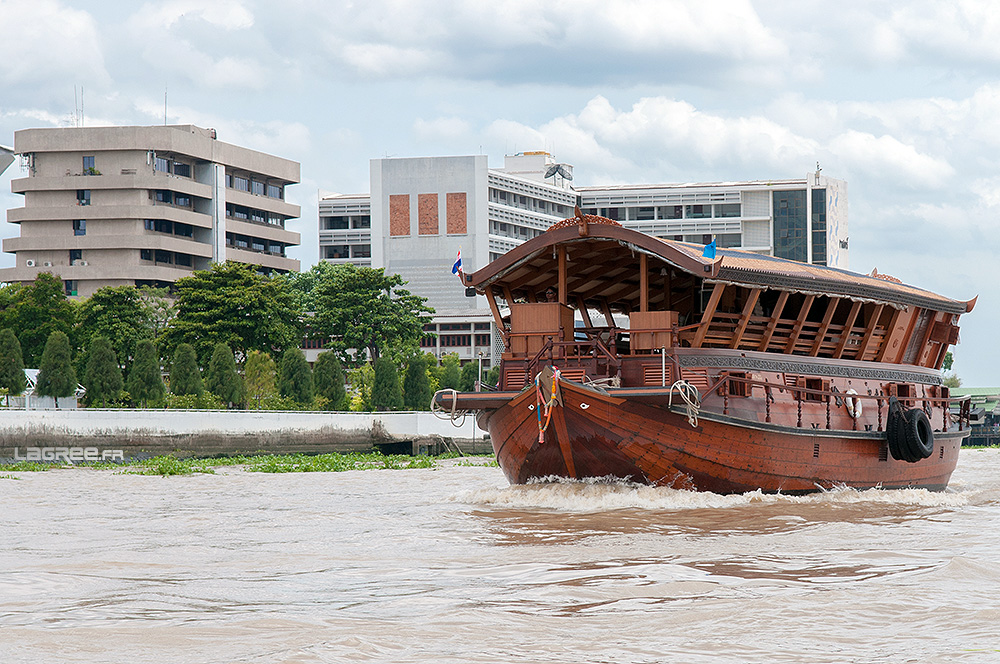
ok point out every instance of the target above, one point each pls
(601, 495)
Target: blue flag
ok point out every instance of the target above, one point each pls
(709, 250)
(457, 267)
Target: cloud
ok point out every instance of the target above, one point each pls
(225, 14)
(885, 155)
(35, 37)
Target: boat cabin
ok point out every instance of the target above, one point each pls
(617, 307)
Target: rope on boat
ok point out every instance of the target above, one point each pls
(455, 416)
(691, 397)
(541, 403)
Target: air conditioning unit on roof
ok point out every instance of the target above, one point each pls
(29, 263)
(47, 263)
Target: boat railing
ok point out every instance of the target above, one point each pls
(592, 351)
(724, 385)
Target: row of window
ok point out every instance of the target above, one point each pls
(177, 168)
(529, 203)
(347, 251)
(168, 257)
(344, 223)
(171, 198)
(253, 186)
(514, 230)
(170, 227)
(252, 214)
(654, 212)
(254, 244)
(454, 340)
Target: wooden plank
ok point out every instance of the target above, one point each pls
(793, 338)
(845, 335)
(582, 307)
(831, 308)
(508, 295)
(643, 282)
(563, 294)
(706, 318)
(884, 351)
(751, 302)
(869, 333)
(491, 298)
(775, 317)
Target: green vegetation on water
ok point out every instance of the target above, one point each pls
(264, 463)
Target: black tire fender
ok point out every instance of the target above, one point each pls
(919, 434)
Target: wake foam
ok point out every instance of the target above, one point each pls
(594, 495)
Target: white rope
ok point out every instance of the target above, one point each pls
(456, 417)
(691, 397)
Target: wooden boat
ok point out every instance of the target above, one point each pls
(652, 363)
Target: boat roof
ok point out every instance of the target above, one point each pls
(602, 262)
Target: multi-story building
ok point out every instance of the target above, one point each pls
(801, 219)
(422, 211)
(113, 206)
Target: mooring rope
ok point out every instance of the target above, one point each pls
(457, 417)
(691, 397)
(541, 403)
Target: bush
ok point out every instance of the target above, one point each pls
(386, 394)
(145, 382)
(328, 379)
(221, 378)
(259, 378)
(102, 377)
(185, 377)
(56, 376)
(416, 385)
(295, 380)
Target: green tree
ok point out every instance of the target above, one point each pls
(35, 311)
(259, 377)
(386, 394)
(365, 309)
(952, 380)
(11, 363)
(328, 379)
(185, 377)
(361, 380)
(295, 378)
(492, 377)
(451, 375)
(158, 308)
(221, 378)
(117, 314)
(102, 377)
(416, 385)
(948, 360)
(468, 376)
(56, 376)
(145, 381)
(234, 305)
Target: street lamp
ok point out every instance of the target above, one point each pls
(479, 376)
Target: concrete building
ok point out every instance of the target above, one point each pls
(421, 211)
(114, 206)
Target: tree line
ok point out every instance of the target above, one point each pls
(229, 337)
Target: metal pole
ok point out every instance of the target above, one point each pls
(479, 376)
(663, 366)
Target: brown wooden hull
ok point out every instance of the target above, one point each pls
(595, 434)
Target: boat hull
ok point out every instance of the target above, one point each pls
(595, 434)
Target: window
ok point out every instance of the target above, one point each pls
(161, 165)
(163, 256)
(163, 196)
(241, 183)
(338, 251)
(183, 200)
(257, 245)
(452, 340)
(727, 210)
(697, 211)
(257, 188)
(75, 255)
(336, 223)
(361, 251)
(229, 180)
(184, 230)
(644, 214)
(790, 221)
(671, 212)
(819, 226)
(182, 259)
(71, 286)
(275, 191)
(482, 340)
(83, 196)
(79, 227)
(146, 254)
(90, 166)
(183, 170)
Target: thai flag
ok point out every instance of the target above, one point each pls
(457, 267)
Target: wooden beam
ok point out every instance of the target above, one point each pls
(779, 307)
(606, 310)
(563, 295)
(491, 298)
(927, 336)
(706, 318)
(869, 332)
(508, 295)
(582, 306)
(643, 282)
(751, 302)
(884, 351)
(831, 309)
(800, 321)
(845, 335)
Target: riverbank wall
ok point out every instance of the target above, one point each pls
(203, 433)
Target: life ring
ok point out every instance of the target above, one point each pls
(853, 403)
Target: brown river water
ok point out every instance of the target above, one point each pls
(454, 565)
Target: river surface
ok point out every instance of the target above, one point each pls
(454, 565)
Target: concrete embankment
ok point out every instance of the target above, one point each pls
(187, 433)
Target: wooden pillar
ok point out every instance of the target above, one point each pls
(643, 282)
(706, 318)
(563, 294)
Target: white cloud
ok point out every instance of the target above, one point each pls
(885, 156)
(36, 36)
(225, 14)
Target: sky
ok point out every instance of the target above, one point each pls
(900, 99)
